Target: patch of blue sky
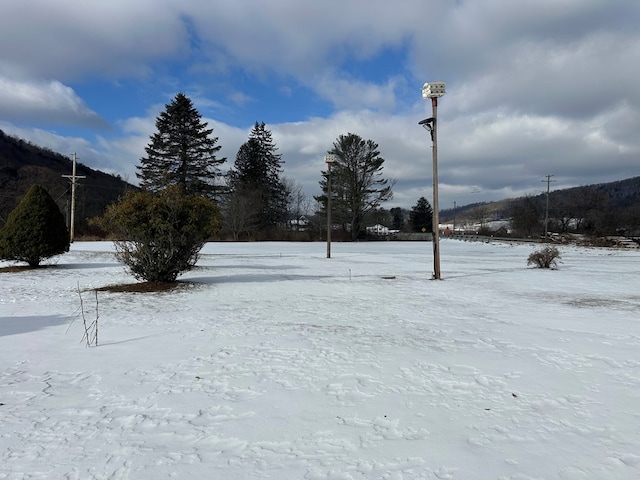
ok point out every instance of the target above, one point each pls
(389, 67)
(387, 62)
(277, 101)
(116, 100)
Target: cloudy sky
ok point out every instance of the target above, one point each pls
(534, 87)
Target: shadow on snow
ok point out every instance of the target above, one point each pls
(18, 325)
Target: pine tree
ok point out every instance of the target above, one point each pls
(357, 186)
(181, 152)
(163, 228)
(256, 174)
(421, 216)
(35, 229)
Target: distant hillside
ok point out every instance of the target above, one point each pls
(619, 194)
(605, 208)
(23, 164)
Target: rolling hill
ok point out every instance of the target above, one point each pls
(23, 164)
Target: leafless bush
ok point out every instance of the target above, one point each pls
(547, 257)
(90, 328)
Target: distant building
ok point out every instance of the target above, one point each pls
(299, 224)
(379, 230)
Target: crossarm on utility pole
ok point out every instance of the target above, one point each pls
(73, 178)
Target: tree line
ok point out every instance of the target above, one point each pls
(184, 199)
(255, 199)
(593, 210)
(585, 210)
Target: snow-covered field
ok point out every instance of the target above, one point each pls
(275, 362)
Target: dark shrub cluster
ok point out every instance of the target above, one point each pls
(159, 236)
(547, 257)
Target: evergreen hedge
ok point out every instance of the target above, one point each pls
(35, 229)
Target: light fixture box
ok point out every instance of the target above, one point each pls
(433, 90)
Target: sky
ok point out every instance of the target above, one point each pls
(534, 87)
(271, 361)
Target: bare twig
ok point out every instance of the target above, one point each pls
(95, 330)
(90, 335)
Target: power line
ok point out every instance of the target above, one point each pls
(546, 215)
(73, 178)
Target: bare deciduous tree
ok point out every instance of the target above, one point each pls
(240, 214)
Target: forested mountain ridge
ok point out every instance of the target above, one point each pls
(622, 192)
(23, 164)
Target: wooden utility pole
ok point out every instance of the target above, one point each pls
(546, 215)
(73, 178)
(454, 218)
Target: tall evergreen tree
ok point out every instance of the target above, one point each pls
(181, 152)
(421, 216)
(35, 229)
(256, 174)
(163, 227)
(357, 186)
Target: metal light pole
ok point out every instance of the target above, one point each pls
(329, 159)
(434, 90)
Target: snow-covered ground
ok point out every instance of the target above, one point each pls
(276, 362)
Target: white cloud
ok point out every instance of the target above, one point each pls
(46, 102)
(70, 40)
(350, 93)
(533, 87)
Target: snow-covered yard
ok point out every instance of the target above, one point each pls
(275, 362)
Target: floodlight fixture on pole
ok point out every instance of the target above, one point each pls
(434, 90)
(429, 124)
(329, 160)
